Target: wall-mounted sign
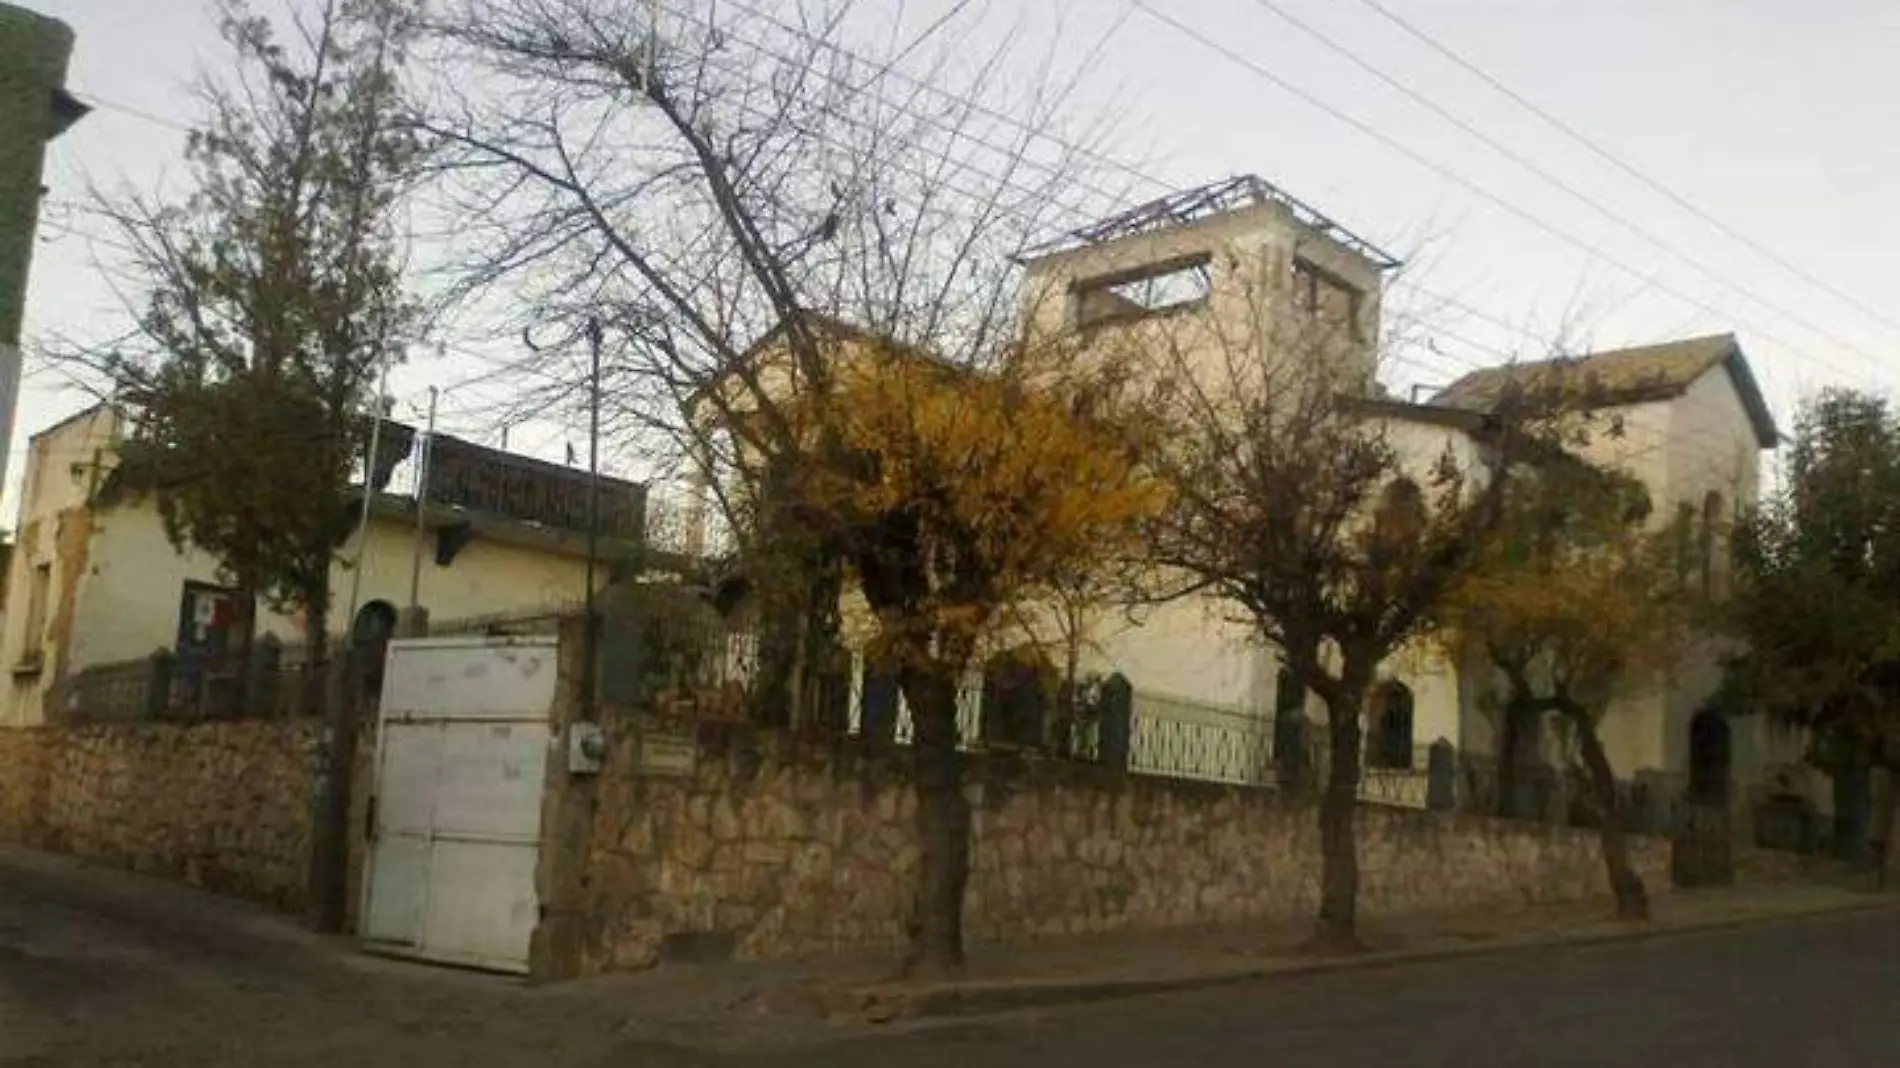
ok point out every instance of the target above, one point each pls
(490, 482)
(667, 754)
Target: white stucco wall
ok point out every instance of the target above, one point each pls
(1682, 449)
(63, 463)
(1248, 316)
(128, 600)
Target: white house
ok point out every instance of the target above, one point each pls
(95, 581)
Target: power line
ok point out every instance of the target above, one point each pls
(137, 113)
(1124, 168)
(1018, 123)
(1616, 217)
(1443, 170)
(1630, 169)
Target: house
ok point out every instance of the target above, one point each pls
(1239, 267)
(94, 581)
(1688, 420)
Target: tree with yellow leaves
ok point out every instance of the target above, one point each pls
(719, 190)
(965, 495)
(1574, 600)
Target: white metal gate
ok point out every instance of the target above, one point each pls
(461, 754)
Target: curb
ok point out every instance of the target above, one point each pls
(885, 1004)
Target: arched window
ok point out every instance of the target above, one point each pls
(1019, 687)
(1401, 513)
(1289, 719)
(1392, 732)
(1708, 536)
(1709, 756)
(370, 631)
(375, 623)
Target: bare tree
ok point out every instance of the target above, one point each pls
(1331, 520)
(723, 189)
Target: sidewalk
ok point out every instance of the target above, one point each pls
(166, 964)
(1072, 970)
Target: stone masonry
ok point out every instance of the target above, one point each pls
(223, 806)
(772, 846)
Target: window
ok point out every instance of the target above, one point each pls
(1401, 514)
(1150, 289)
(39, 589)
(1709, 536)
(1392, 736)
(1289, 720)
(1327, 299)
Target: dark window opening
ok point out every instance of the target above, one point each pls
(1289, 720)
(1328, 299)
(1392, 738)
(1151, 289)
(1709, 534)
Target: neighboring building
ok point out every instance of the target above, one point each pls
(34, 109)
(95, 581)
(1687, 419)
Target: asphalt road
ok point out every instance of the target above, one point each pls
(99, 969)
(1813, 993)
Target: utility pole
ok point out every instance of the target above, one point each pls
(591, 648)
(369, 494)
(423, 466)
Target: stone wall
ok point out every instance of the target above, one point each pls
(771, 847)
(224, 806)
(23, 767)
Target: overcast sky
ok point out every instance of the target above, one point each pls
(1772, 117)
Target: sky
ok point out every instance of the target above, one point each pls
(1762, 115)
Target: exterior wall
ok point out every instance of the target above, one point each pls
(778, 850)
(64, 464)
(1249, 305)
(116, 579)
(1683, 449)
(225, 807)
(129, 598)
(1185, 649)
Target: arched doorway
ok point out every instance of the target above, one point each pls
(1709, 757)
(1019, 688)
(1289, 721)
(1391, 747)
(370, 631)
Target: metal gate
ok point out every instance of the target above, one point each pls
(455, 827)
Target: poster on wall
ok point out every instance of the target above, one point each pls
(207, 616)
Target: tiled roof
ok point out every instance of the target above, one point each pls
(1625, 376)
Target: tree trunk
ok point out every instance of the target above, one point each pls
(246, 624)
(1632, 901)
(1510, 739)
(1337, 930)
(330, 844)
(943, 820)
(1883, 795)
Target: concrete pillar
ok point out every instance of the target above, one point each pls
(34, 109)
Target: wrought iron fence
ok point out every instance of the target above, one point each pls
(1186, 739)
(274, 681)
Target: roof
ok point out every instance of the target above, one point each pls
(825, 326)
(1618, 377)
(58, 425)
(1470, 420)
(1184, 206)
